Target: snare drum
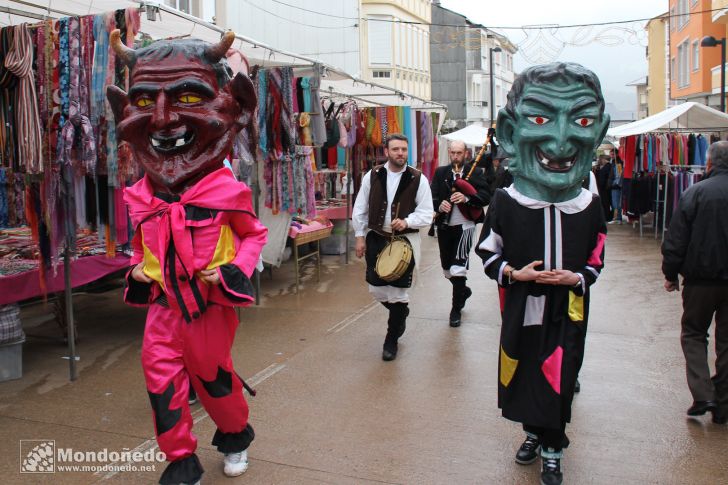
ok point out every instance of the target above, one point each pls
(394, 259)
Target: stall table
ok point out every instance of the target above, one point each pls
(314, 232)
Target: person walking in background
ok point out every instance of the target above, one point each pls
(502, 178)
(605, 193)
(696, 247)
(456, 220)
(615, 184)
(394, 199)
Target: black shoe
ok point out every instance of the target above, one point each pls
(454, 318)
(528, 452)
(719, 417)
(192, 398)
(389, 350)
(551, 471)
(699, 408)
(577, 386)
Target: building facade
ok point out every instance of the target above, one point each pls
(472, 68)
(395, 44)
(658, 75)
(691, 66)
(720, 17)
(641, 105)
(327, 31)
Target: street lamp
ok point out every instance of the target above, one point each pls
(710, 41)
(491, 50)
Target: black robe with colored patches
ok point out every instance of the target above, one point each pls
(539, 330)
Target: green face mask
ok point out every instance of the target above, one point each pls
(552, 137)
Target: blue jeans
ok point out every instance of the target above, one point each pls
(617, 201)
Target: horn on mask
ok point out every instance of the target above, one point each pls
(127, 55)
(217, 51)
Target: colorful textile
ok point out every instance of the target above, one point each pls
(19, 61)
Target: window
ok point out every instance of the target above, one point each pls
(673, 20)
(693, 3)
(181, 5)
(683, 64)
(696, 55)
(381, 74)
(683, 13)
(380, 40)
(208, 11)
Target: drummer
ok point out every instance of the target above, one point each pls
(394, 199)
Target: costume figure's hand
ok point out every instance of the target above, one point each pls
(209, 276)
(138, 274)
(361, 246)
(399, 225)
(527, 273)
(558, 277)
(672, 285)
(445, 206)
(457, 198)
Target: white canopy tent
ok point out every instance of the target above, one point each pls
(473, 135)
(683, 117)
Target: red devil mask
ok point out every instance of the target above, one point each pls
(183, 110)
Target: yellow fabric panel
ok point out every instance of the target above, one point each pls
(225, 249)
(507, 368)
(152, 268)
(576, 307)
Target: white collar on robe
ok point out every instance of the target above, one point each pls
(577, 204)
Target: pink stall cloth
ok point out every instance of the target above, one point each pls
(84, 270)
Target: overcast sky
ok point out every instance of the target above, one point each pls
(617, 64)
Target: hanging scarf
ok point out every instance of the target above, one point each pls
(262, 114)
(20, 62)
(3, 199)
(77, 122)
(8, 81)
(384, 126)
(111, 148)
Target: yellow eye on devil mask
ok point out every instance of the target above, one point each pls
(189, 99)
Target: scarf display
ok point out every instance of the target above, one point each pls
(55, 133)
(19, 61)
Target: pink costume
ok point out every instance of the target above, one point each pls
(191, 325)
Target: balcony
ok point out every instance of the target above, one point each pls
(720, 11)
(477, 110)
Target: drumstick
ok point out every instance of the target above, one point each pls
(396, 215)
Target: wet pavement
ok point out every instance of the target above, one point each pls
(329, 410)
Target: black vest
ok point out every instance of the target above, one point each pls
(404, 197)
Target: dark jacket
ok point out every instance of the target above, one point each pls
(696, 245)
(442, 183)
(614, 181)
(501, 179)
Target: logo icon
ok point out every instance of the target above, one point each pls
(37, 456)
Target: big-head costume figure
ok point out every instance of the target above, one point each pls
(543, 242)
(197, 239)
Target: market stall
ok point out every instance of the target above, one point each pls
(663, 155)
(77, 183)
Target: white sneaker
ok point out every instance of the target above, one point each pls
(236, 463)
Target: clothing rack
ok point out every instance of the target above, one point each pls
(662, 131)
(664, 206)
